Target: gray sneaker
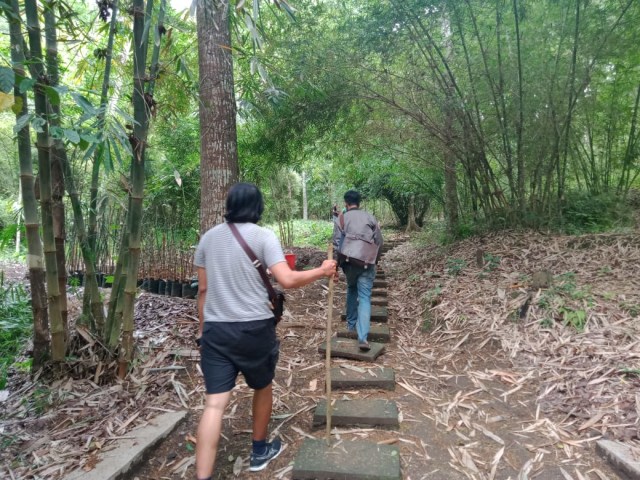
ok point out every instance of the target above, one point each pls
(260, 462)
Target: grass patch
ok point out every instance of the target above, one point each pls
(15, 325)
(308, 233)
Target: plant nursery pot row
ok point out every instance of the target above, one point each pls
(170, 288)
(77, 279)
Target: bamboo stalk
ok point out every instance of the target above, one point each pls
(35, 255)
(328, 349)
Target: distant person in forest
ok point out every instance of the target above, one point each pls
(358, 240)
(237, 328)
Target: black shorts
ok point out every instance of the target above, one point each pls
(231, 347)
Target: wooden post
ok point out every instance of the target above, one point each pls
(328, 350)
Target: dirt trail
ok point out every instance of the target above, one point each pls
(468, 410)
(486, 388)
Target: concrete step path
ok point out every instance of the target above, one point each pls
(371, 412)
(132, 450)
(379, 283)
(377, 333)
(350, 376)
(316, 460)
(347, 348)
(379, 292)
(379, 301)
(378, 314)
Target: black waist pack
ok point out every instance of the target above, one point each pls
(277, 304)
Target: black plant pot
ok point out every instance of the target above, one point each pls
(176, 289)
(139, 282)
(168, 288)
(145, 285)
(188, 291)
(162, 287)
(153, 285)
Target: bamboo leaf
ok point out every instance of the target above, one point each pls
(176, 175)
(83, 103)
(57, 132)
(7, 79)
(53, 95)
(116, 151)
(22, 122)
(37, 123)
(72, 135)
(90, 151)
(26, 84)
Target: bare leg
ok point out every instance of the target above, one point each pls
(262, 405)
(209, 433)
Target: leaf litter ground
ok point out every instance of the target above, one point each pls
(495, 378)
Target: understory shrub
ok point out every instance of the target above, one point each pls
(583, 212)
(15, 324)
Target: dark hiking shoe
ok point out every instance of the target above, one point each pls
(260, 462)
(364, 346)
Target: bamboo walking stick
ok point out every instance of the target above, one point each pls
(328, 349)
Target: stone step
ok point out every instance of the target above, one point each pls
(316, 460)
(377, 333)
(378, 314)
(379, 292)
(379, 283)
(350, 376)
(379, 301)
(372, 412)
(347, 348)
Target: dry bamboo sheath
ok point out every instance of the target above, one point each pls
(328, 351)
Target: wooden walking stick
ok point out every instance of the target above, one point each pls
(328, 349)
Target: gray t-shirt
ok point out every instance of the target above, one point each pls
(235, 290)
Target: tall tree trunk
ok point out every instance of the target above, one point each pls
(630, 153)
(506, 141)
(562, 164)
(58, 347)
(305, 200)
(58, 155)
(35, 256)
(520, 194)
(412, 226)
(218, 140)
(143, 105)
(92, 303)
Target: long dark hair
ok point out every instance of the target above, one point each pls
(244, 204)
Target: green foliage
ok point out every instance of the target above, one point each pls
(491, 262)
(575, 318)
(455, 266)
(309, 233)
(564, 301)
(15, 324)
(583, 212)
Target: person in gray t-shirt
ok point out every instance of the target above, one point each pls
(237, 330)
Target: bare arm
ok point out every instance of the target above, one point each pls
(202, 293)
(288, 278)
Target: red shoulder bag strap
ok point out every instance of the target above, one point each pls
(254, 260)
